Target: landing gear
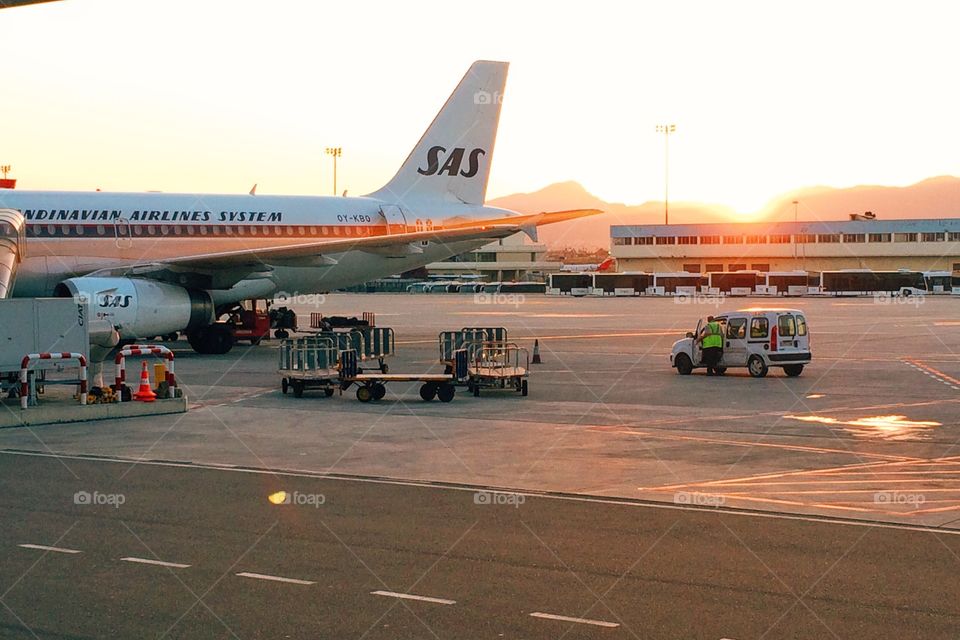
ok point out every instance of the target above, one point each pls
(216, 338)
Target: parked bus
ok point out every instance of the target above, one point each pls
(861, 281)
(682, 282)
(743, 282)
(621, 284)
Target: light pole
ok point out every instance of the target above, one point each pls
(666, 130)
(336, 152)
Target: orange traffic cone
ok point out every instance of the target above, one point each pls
(536, 352)
(145, 393)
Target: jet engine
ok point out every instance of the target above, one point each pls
(140, 308)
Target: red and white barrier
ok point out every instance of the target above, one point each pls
(36, 357)
(143, 350)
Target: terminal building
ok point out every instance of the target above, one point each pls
(513, 258)
(814, 247)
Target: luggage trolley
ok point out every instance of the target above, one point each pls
(372, 386)
(451, 341)
(308, 363)
(498, 365)
(377, 343)
(370, 343)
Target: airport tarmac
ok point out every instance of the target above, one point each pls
(868, 435)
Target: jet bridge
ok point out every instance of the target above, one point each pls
(12, 247)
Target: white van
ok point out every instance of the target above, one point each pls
(753, 338)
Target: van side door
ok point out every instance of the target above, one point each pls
(735, 343)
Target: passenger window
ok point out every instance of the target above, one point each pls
(786, 326)
(737, 328)
(759, 327)
(801, 326)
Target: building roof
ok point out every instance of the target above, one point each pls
(929, 225)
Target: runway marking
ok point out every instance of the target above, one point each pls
(263, 576)
(935, 374)
(410, 596)
(596, 623)
(744, 443)
(159, 563)
(43, 547)
(619, 501)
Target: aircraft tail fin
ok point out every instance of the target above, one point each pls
(451, 162)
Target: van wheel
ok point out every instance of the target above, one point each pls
(793, 370)
(683, 364)
(756, 366)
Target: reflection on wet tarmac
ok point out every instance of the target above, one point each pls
(892, 427)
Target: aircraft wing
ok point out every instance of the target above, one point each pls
(223, 269)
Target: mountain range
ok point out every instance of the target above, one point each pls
(932, 198)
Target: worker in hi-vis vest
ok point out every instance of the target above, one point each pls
(711, 344)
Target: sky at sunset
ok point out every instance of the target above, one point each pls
(211, 96)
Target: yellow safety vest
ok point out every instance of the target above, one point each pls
(713, 339)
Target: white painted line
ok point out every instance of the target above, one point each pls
(582, 498)
(159, 563)
(409, 596)
(42, 547)
(596, 623)
(261, 576)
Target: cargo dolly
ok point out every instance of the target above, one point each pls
(372, 344)
(308, 363)
(497, 365)
(451, 341)
(372, 386)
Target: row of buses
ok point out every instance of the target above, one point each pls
(850, 282)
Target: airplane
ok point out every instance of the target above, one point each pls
(153, 264)
(606, 265)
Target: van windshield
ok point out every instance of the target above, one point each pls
(786, 326)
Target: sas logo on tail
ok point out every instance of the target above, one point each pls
(451, 165)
